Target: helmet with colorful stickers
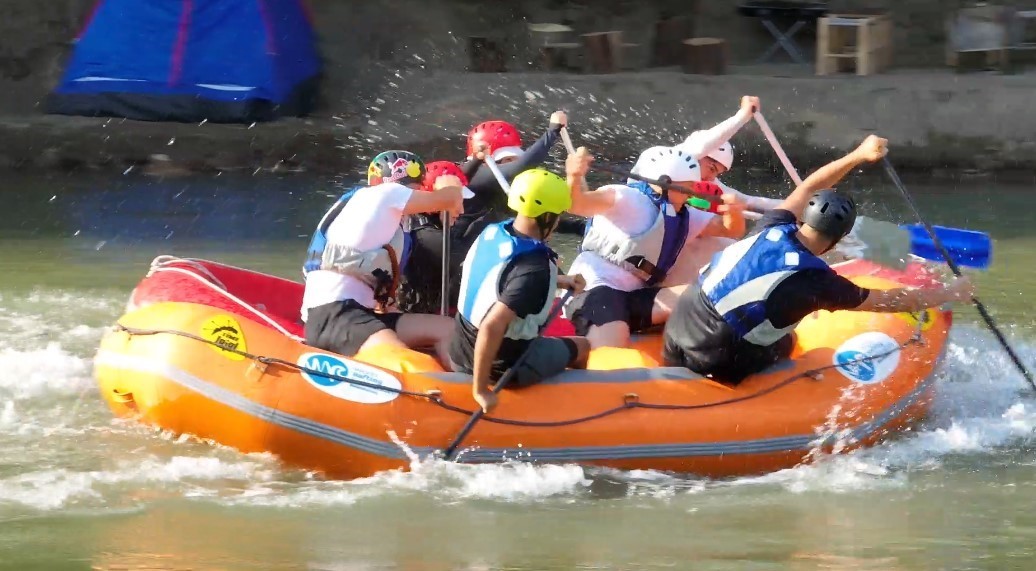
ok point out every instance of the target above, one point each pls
(401, 167)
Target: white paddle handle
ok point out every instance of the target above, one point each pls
(568, 141)
(777, 148)
(499, 175)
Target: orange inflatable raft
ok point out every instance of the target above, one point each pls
(215, 351)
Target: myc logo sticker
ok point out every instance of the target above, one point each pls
(332, 374)
(868, 358)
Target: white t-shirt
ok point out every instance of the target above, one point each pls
(633, 213)
(368, 221)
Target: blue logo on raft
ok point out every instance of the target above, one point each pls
(325, 364)
(856, 364)
(349, 380)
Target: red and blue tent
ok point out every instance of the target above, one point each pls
(191, 60)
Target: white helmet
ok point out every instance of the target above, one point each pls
(724, 155)
(642, 160)
(674, 163)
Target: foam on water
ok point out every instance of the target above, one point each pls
(981, 405)
(437, 478)
(179, 475)
(31, 373)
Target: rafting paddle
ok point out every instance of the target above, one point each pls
(777, 148)
(938, 243)
(444, 305)
(967, 247)
(506, 378)
(500, 179)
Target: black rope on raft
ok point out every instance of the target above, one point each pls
(632, 403)
(271, 360)
(628, 403)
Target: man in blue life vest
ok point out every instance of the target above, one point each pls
(507, 289)
(636, 234)
(740, 316)
(358, 253)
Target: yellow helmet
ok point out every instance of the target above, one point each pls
(537, 191)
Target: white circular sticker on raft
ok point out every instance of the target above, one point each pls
(868, 357)
(332, 374)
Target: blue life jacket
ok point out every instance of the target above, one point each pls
(480, 284)
(740, 280)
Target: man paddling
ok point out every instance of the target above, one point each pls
(738, 319)
(358, 252)
(715, 153)
(636, 235)
(507, 291)
(503, 142)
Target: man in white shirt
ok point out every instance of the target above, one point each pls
(635, 236)
(715, 154)
(358, 253)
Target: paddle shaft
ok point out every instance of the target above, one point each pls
(768, 133)
(568, 141)
(500, 179)
(956, 271)
(444, 305)
(506, 378)
(661, 183)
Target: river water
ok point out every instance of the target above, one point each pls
(80, 490)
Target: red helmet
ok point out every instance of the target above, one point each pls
(496, 134)
(703, 187)
(439, 168)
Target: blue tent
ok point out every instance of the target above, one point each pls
(224, 61)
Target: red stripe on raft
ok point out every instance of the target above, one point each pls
(181, 44)
(89, 19)
(271, 46)
(307, 10)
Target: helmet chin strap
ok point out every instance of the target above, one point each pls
(546, 223)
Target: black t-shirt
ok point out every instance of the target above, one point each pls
(698, 330)
(526, 287)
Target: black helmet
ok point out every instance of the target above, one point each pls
(396, 166)
(830, 213)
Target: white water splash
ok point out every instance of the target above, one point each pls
(29, 374)
(64, 487)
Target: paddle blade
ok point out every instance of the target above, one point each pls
(966, 247)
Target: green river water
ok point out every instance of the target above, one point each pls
(80, 490)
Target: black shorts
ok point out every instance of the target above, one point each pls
(343, 326)
(729, 364)
(602, 305)
(547, 356)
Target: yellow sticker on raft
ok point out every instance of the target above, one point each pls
(224, 333)
(925, 318)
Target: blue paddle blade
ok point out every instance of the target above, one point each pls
(966, 247)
